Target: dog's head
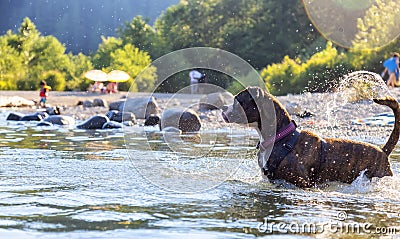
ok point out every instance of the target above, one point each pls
(244, 109)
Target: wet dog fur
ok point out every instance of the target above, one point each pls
(343, 160)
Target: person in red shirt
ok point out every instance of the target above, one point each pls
(44, 93)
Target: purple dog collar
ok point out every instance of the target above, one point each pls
(285, 132)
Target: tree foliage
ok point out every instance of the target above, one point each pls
(261, 32)
(249, 28)
(133, 61)
(379, 25)
(11, 65)
(139, 33)
(318, 74)
(79, 24)
(31, 57)
(102, 57)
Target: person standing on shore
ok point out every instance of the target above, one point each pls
(43, 93)
(194, 81)
(392, 67)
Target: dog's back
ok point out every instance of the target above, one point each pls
(363, 156)
(345, 159)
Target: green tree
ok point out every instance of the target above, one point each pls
(47, 54)
(379, 25)
(41, 57)
(133, 61)
(75, 75)
(11, 64)
(102, 57)
(261, 32)
(140, 34)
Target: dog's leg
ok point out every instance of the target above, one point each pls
(295, 172)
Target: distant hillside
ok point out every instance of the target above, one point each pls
(78, 23)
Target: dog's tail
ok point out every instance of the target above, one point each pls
(394, 136)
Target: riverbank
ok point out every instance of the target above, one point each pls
(331, 118)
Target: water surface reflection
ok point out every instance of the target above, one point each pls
(83, 184)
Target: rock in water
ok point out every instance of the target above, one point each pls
(185, 120)
(60, 120)
(141, 107)
(120, 117)
(14, 116)
(87, 104)
(44, 123)
(95, 122)
(38, 116)
(152, 120)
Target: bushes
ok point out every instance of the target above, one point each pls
(55, 79)
(278, 77)
(320, 73)
(11, 66)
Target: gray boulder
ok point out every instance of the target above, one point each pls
(140, 107)
(152, 120)
(120, 117)
(15, 116)
(215, 101)
(87, 104)
(38, 116)
(60, 120)
(95, 122)
(55, 110)
(185, 120)
(100, 102)
(15, 101)
(116, 104)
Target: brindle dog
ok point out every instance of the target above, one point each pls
(302, 157)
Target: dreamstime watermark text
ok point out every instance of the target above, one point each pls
(336, 225)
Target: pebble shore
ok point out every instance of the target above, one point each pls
(331, 118)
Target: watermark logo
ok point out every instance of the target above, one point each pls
(337, 225)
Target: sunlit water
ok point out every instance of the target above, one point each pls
(68, 183)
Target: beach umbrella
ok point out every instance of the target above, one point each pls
(118, 76)
(96, 75)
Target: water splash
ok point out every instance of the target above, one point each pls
(386, 188)
(361, 184)
(361, 85)
(356, 87)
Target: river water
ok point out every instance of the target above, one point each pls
(68, 183)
